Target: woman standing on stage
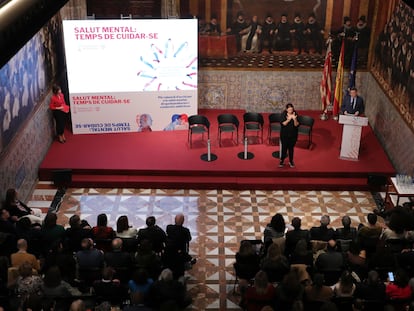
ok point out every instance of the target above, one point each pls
(288, 134)
(60, 109)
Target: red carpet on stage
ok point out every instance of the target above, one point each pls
(165, 160)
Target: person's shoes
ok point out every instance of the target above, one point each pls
(291, 164)
(281, 164)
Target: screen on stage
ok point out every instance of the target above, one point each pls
(131, 75)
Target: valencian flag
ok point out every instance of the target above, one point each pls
(339, 81)
(352, 69)
(326, 83)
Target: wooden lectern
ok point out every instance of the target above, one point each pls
(351, 135)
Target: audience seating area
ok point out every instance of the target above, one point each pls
(324, 267)
(97, 265)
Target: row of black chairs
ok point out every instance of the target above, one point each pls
(253, 122)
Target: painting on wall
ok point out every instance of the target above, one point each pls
(393, 64)
(25, 79)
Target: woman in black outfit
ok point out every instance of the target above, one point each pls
(288, 134)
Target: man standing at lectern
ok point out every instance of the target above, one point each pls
(352, 103)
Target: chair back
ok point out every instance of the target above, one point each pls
(198, 120)
(275, 117)
(253, 117)
(306, 121)
(228, 118)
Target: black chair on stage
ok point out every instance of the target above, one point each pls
(198, 124)
(306, 127)
(228, 123)
(253, 122)
(274, 125)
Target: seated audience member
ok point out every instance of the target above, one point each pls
(62, 258)
(399, 288)
(247, 264)
(318, 291)
(293, 236)
(90, 261)
(346, 232)
(368, 235)
(17, 259)
(289, 291)
(145, 258)
(177, 246)
(275, 264)
(167, 293)
(18, 209)
(261, 294)
(345, 287)
(8, 232)
(140, 283)
(301, 254)
(331, 260)
(28, 284)
(123, 229)
(76, 233)
(31, 234)
(371, 289)
(322, 233)
(356, 260)
(108, 288)
(371, 229)
(396, 227)
(102, 233)
(154, 234)
(119, 260)
(274, 229)
(51, 232)
(55, 286)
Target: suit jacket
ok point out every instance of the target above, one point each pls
(348, 107)
(178, 237)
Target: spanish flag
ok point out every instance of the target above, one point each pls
(337, 103)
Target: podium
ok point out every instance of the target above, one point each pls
(351, 135)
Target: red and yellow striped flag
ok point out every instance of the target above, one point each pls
(337, 103)
(326, 83)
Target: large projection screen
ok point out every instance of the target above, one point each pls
(131, 75)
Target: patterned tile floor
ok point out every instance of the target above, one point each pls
(218, 221)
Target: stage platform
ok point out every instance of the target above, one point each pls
(165, 160)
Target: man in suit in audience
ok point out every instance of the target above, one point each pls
(346, 232)
(119, 260)
(88, 256)
(293, 236)
(176, 256)
(154, 234)
(323, 233)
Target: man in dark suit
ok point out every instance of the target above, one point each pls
(323, 233)
(154, 234)
(352, 103)
(176, 256)
(293, 236)
(120, 260)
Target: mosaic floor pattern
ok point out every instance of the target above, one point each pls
(218, 221)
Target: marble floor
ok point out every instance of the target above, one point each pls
(218, 221)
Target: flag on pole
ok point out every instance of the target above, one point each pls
(352, 69)
(326, 83)
(339, 82)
